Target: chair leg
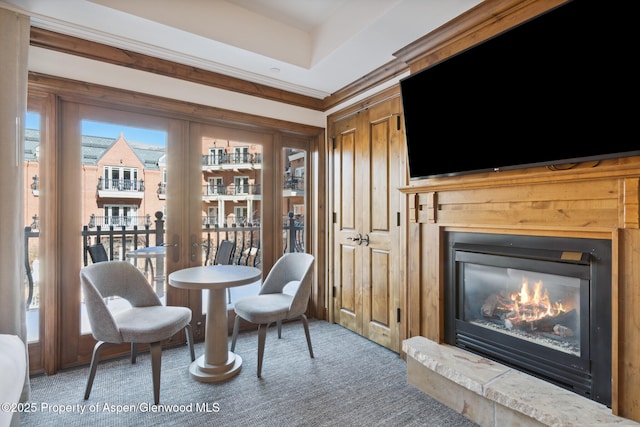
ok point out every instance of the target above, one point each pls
(95, 358)
(305, 323)
(189, 332)
(134, 352)
(262, 337)
(236, 329)
(156, 365)
(279, 323)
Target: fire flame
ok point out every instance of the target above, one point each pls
(529, 306)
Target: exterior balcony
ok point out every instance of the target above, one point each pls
(128, 222)
(120, 188)
(232, 192)
(162, 191)
(293, 187)
(231, 162)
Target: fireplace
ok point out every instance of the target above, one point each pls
(541, 305)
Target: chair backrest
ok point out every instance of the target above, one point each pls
(294, 269)
(107, 279)
(98, 253)
(224, 253)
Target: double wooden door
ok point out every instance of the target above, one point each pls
(368, 169)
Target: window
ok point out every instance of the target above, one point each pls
(118, 215)
(241, 154)
(241, 214)
(216, 156)
(215, 186)
(294, 201)
(32, 220)
(212, 216)
(241, 184)
(121, 178)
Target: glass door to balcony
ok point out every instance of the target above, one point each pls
(32, 255)
(197, 183)
(111, 165)
(231, 203)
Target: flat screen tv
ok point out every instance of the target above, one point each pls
(557, 89)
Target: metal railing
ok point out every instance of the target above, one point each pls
(121, 184)
(120, 240)
(246, 238)
(294, 183)
(231, 190)
(127, 221)
(28, 235)
(221, 158)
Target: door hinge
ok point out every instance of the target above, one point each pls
(335, 217)
(333, 291)
(398, 218)
(333, 142)
(398, 122)
(398, 314)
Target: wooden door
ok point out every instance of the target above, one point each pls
(368, 169)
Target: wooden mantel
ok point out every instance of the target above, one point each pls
(587, 200)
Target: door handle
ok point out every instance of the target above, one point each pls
(195, 246)
(176, 253)
(357, 239)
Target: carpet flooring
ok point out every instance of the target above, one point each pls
(350, 382)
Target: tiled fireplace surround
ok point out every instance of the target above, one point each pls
(596, 200)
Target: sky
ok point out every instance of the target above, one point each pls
(108, 130)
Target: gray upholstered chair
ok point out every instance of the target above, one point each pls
(146, 321)
(272, 305)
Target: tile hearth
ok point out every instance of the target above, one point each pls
(492, 394)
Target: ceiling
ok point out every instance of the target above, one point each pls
(309, 47)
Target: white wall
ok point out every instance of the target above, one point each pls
(58, 64)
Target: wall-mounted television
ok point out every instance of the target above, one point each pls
(556, 89)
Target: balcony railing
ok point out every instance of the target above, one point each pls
(293, 234)
(118, 221)
(120, 184)
(232, 159)
(231, 190)
(120, 240)
(162, 191)
(294, 183)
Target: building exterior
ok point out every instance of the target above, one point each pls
(124, 182)
(231, 182)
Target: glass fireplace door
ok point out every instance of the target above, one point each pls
(541, 308)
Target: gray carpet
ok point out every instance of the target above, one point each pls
(350, 382)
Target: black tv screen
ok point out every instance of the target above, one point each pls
(557, 89)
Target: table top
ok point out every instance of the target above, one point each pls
(147, 251)
(214, 276)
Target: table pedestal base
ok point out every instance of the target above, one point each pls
(205, 372)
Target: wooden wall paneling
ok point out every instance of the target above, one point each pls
(626, 352)
(432, 321)
(629, 203)
(413, 266)
(69, 222)
(562, 204)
